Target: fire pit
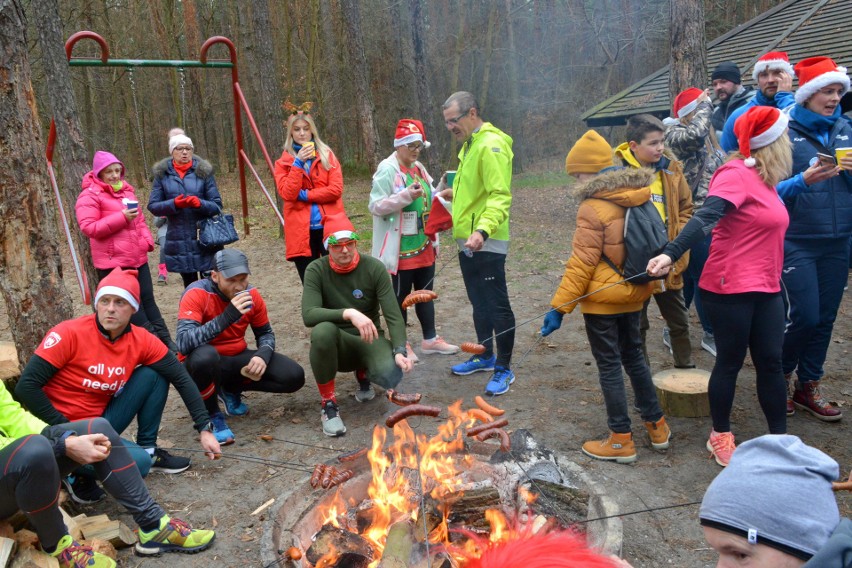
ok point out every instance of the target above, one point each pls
(471, 494)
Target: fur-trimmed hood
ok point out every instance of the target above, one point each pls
(203, 168)
(618, 185)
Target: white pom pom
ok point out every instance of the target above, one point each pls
(749, 162)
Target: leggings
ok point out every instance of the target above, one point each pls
(417, 279)
(317, 250)
(30, 474)
(333, 350)
(752, 321)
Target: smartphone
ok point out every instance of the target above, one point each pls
(826, 159)
(451, 176)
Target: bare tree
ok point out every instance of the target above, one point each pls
(423, 75)
(688, 54)
(30, 267)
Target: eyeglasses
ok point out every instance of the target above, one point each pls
(452, 121)
(414, 147)
(183, 149)
(340, 246)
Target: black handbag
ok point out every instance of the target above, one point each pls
(217, 231)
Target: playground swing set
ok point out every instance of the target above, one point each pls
(239, 102)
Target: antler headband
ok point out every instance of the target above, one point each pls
(304, 108)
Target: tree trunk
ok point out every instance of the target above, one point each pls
(482, 96)
(360, 70)
(30, 266)
(72, 151)
(514, 90)
(688, 55)
(428, 111)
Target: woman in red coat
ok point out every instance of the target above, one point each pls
(310, 181)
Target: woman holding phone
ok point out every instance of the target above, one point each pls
(400, 202)
(108, 213)
(816, 247)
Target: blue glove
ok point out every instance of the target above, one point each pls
(552, 322)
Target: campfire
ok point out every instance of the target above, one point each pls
(416, 500)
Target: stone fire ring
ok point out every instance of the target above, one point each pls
(297, 509)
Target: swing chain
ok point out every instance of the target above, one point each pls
(138, 120)
(182, 76)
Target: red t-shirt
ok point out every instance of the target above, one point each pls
(91, 367)
(202, 305)
(747, 250)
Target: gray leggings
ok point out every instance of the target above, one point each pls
(30, 474)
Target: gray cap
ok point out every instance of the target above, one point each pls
(776, 491)
(230, 262)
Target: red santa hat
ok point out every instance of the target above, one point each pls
(772, 60)
(336, 227)
(686, 101)
(814, 73)
(121, 283)
(758, 127)
(409, 130)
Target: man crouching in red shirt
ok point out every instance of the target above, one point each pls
(101, 365)
(213, 319)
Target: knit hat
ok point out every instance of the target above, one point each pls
(686, 101)
(589, 155)
(772, 60)
(727, 70)
(337, 226)
(230, 262)
(814, 73)
(409, 130)
(776, 491)
(758, 127)
(103, 159)
(177, 140)
(121, 283)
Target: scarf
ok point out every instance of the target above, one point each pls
(181, 169)
(345, 269)
(818, 124)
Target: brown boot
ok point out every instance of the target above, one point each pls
(617, 447)
(791, 388)
(809, 398)
(660, 433)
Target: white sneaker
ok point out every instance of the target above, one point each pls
(708, 344)
(439, 346)
(409, 352)
(332, 424)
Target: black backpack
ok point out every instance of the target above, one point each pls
(644, 238)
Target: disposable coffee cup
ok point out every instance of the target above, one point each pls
(312, 148)
(840, 153)
(131, 204)
(451, 176)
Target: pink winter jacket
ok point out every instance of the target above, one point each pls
(115, 241)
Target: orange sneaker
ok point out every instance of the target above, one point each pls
(721, 446)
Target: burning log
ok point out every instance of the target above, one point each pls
(429, 518)
(338, 548)
(567, 504)
(468, 508)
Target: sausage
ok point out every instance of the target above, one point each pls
(319, 469)
(480, 415)
(418, 297)
(487, 426)
(431, 293)
(471, 347)
(353, 455)
(492, 410)
(327, 474)
(293, 553)
(505, 445)
(412, 410)
(403, 399)
(340, 477)
(266, 437)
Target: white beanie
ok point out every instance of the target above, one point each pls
(177, 140)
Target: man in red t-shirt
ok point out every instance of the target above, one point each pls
(213, 319)
(101, 365)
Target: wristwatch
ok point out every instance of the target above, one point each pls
(207, 427)
(484, 234)
(400, 351)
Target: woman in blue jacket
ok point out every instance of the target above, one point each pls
(816, 246)
(185, 192)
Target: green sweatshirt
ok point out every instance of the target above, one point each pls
(367, 289)
(15, 422)
(482, 190)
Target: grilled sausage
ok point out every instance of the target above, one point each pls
(492, 410)
(505, 445)
(412, 410)
(487, 426)
(403, 399)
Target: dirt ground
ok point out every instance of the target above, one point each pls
(556, 396)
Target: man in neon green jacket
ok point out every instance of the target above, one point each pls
(481, 196)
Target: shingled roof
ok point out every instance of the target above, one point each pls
(802, 28)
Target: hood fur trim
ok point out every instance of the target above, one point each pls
(203, 168)
(614, 181)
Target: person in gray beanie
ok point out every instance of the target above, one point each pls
(740, 512)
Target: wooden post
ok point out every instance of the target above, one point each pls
(683, 392)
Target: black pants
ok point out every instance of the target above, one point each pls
(212, 371)
(148, 309)
(484, 275)
(30, 474)
(404, 282)
(752, 321)
(317, 250)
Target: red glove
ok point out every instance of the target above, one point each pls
(180, 202)
(193, 201)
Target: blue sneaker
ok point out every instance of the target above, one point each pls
(223, 434)
(233, 403)
(500, 381)
(474, 364)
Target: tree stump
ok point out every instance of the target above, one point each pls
(683, 392)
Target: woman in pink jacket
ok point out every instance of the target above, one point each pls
(108, 213)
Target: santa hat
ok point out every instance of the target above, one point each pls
(814, 73)
(686, 101)
(440, 218)
(121, 283)
(337, 226)
(409, 130)
(772, 60)
(177, 140)
(758, 127)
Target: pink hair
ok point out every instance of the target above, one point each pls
(562, 549)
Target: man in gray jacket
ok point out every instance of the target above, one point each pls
(730, 93)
